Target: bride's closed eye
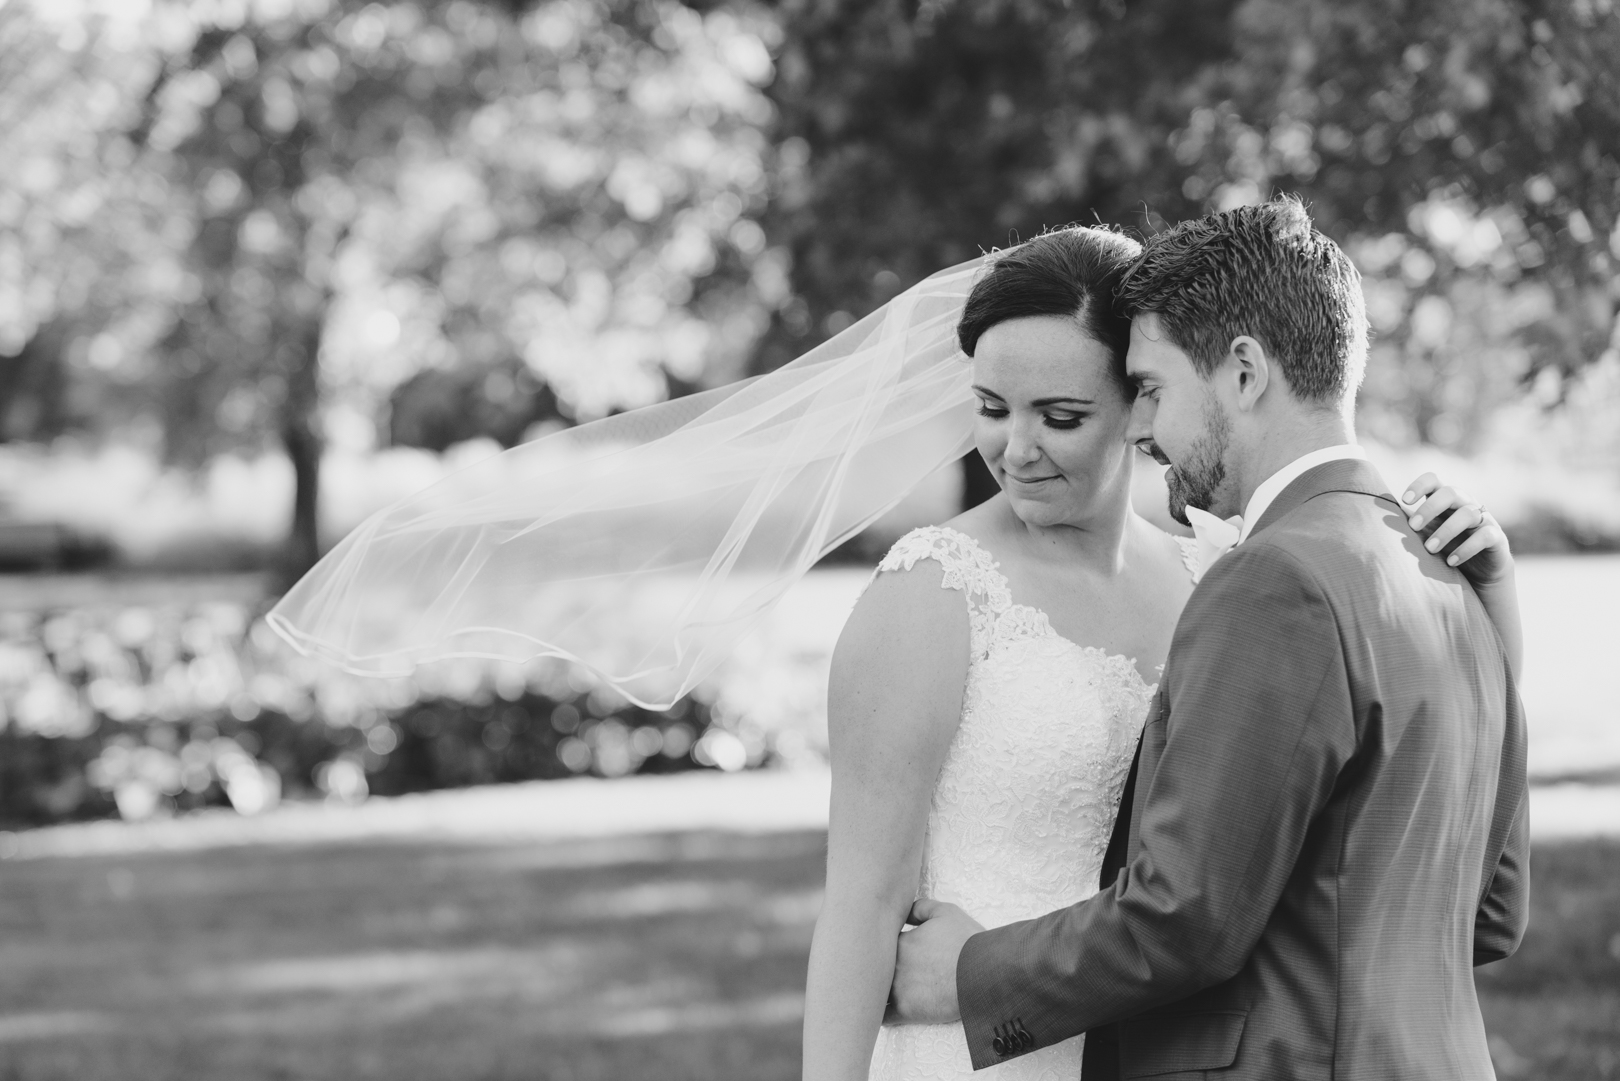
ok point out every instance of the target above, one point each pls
(1061, 421)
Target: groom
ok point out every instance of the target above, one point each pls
(1324, 829)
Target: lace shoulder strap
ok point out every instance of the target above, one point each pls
(967, 566)
(1189, 556)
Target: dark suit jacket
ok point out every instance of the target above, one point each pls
(1326, 829)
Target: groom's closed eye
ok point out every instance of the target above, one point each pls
(1151, 449)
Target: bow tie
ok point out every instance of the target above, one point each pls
(1215, 537)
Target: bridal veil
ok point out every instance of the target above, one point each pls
(644, 545)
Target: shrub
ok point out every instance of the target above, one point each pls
(142, 709)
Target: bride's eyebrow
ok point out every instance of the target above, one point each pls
(1038, 402)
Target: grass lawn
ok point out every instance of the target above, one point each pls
(1553, 1008)
(666, 957)
(660, 958)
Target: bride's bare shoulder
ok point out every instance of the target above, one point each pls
(909, 631)
(909, 584)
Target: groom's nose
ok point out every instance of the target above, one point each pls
(1140, 429)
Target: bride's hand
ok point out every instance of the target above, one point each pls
(1448, 519)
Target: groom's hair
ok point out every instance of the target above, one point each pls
(1263, 271)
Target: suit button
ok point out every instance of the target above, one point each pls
(999, 1046)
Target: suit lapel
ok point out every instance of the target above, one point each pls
(1119, 841)
(1343, 475)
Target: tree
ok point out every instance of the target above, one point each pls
(913, 135)
(1470, 154)
(76, 228)
(553, 204)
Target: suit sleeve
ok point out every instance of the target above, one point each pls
(1258, 727)
(1504, 908)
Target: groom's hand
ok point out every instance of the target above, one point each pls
(924, 991)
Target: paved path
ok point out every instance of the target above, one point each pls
(577, 809)
(585, 808)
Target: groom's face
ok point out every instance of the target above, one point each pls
(1179, 420)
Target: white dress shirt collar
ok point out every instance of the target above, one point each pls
(1273, 486)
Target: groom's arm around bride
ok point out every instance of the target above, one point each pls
(1321, 805)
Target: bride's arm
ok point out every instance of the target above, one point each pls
(1449, 518)
(894, 700)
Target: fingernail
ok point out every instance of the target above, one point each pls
(1432, 546)
(1417, 521)
(1410, 497)
(1452, 560)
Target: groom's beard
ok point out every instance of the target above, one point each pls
(1193, 482)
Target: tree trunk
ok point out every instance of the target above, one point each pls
(303, 447)
(301, 438)
(34, 386)
(977, 482)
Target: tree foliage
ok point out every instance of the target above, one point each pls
(78, 232)
(1470, 154)
(1466, 153)
(261, 223)
(549, 202)
(914, 136)
(550, 208)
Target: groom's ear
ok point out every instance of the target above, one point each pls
(1250, 371)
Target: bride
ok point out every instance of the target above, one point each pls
(987, 692)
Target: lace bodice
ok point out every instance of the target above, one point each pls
(1026, 799)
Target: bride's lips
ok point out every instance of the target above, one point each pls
(1030, 482)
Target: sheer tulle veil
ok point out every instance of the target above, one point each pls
(644, 545)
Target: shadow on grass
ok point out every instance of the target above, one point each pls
(659, 957)
(651, 957)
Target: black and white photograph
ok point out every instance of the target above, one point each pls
(809, 540)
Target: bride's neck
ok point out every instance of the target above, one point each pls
(1097, 539)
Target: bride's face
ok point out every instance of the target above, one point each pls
(1052, 418)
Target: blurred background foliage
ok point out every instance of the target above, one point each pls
(1467, 153)
(266, 264)
(237, 226)
(437, 221)
(149, 701)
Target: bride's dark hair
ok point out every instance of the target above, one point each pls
(1073, 271)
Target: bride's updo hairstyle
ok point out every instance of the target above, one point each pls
(1066, 272)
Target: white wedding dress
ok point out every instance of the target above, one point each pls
(1026, 799)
